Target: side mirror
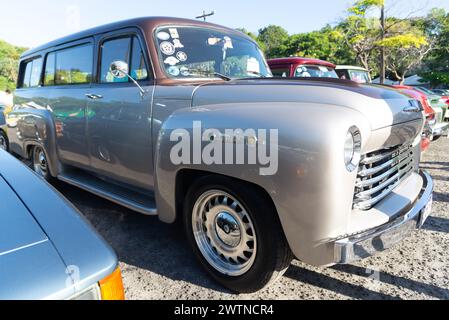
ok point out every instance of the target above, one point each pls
(119, 69)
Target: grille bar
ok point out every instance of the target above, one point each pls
(380, 172)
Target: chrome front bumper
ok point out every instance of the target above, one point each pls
(377, 240)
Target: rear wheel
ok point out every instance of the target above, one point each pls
(3, 141)
(40, 163)
(235, 233)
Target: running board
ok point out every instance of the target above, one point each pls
(130, 199)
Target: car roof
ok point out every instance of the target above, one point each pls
(144, 23)
(347, 67)
(300, 60)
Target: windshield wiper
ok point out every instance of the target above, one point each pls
(257, 74)
(207, 73)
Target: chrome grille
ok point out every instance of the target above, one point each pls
(379, 173)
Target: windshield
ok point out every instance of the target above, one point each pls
(315, 72)
(193, 52)
(359, 76)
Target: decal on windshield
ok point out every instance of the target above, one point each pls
(167, 48)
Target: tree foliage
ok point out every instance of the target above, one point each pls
(9, 58)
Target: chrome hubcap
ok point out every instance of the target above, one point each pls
(40, 161)
(224, 233)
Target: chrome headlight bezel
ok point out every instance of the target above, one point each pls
(352, 152)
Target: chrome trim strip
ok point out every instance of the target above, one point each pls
(395, 161)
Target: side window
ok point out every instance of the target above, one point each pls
(138, 66)
(74, 65)
(114, 50)
(50, 70)
(127, 49)
(31, 74)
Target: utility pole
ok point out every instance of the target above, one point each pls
(382, 49)
(205, 15)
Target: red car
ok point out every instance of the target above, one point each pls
(296, 67)
(428, 112)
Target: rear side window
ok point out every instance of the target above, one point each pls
(69, 66)
(74, 65)
(31, 73)
(125, 49)
(281, 72)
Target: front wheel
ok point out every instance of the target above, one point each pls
(235, 233)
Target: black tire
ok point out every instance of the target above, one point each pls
(4, 144)
(39, 170)
(435, 138)
(273, 255)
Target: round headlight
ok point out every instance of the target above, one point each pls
(353, 148)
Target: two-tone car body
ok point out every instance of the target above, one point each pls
(47, 249)
(183, 120)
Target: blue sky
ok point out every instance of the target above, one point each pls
(30, 23)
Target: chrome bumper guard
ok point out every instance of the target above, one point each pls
(369, 243)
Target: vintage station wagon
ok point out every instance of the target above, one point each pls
(170, 117)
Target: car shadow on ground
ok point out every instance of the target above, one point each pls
(400, 282)
(437, 224)
(145, 242)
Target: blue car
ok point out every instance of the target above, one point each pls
(47, 249)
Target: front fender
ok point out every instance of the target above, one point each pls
(29, 127)
(312, 189)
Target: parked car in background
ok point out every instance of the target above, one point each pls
(437, 123)
(296, 67)
(47, 249)
(3, 137)
(441, 92)
(354, 73)
(436, 101)
(342, 183)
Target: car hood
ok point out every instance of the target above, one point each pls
(383, 106)
(27, 257)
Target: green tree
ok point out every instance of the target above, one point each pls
(9, 59)
(274, 40)
(436, 69)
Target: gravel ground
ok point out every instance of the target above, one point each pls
(157, 263)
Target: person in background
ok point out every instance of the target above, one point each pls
(6, 99)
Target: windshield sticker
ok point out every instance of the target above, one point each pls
(174, 33)
(177, 43)
(185, 71)
(228, 43)
(167, 48)
(253, 65)
(213, 41)
(182, 56)
(164, 36)
(171, 61)
(174, 71)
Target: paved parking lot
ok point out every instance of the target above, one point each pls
(157, 263)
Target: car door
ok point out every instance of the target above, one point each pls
(68, 76)
(118, 116)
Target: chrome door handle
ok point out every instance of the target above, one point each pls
(94, 96)
(411, 109)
